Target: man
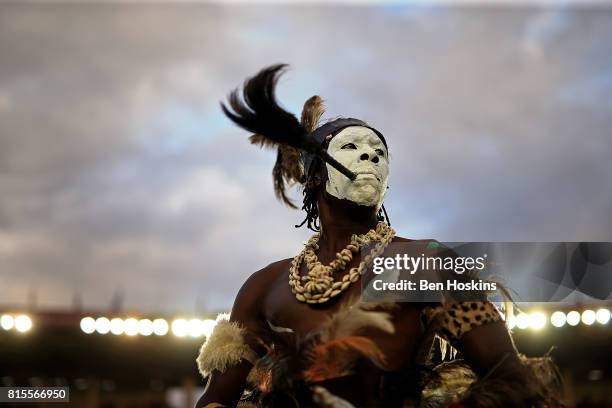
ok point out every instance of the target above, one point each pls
(298, 335)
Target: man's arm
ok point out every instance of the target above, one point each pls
(502, 377)
(224, 389)
(489, 349)
(225, 386)
(476, 328)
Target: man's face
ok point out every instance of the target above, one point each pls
(360, 150)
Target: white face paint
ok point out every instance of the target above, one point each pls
(360, 150)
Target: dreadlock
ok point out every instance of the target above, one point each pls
(312, 185)
(312, 210)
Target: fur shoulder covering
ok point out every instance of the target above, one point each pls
(224, 348)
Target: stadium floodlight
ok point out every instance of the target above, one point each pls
(511, 322)
(588, 317)
(522, 320)
(145, 327)
(208, 326)
(102, 325)
(537, 320)
(23, 323)
(179, 327)
(160, 327)
(194, 327)
(88, 325)
(131, 326)
(602, 316)
(7, 322)
(117, 326)
(558, 319)
(573, 318)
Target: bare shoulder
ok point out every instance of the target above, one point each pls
(253, 290)
(428, 246)
(426, 241)
(265, 276)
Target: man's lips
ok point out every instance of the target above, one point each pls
(368, 173)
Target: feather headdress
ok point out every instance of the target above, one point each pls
(255, 109)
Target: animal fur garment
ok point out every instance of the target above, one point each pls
(224, 348)
(453, 320)
(455, 383)
(294, 362)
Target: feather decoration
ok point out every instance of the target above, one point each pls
(336, 358)
(352, 318)
(312, 112)
(281, 179)
(340, 344)
(330, 352)
(256, 109)
(259, 112)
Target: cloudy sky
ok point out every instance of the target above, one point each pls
(119, 176)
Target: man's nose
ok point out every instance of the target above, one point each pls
(366, 156)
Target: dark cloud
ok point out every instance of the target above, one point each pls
(119, 174)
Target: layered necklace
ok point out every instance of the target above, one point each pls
(319, 284)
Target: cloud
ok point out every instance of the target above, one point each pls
(119, 174)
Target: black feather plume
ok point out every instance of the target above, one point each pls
(258, 112)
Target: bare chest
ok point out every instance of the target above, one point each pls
(282, 309)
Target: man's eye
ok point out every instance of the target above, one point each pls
(380, 152)
(349, 146)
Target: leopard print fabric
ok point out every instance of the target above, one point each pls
(453, 320)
